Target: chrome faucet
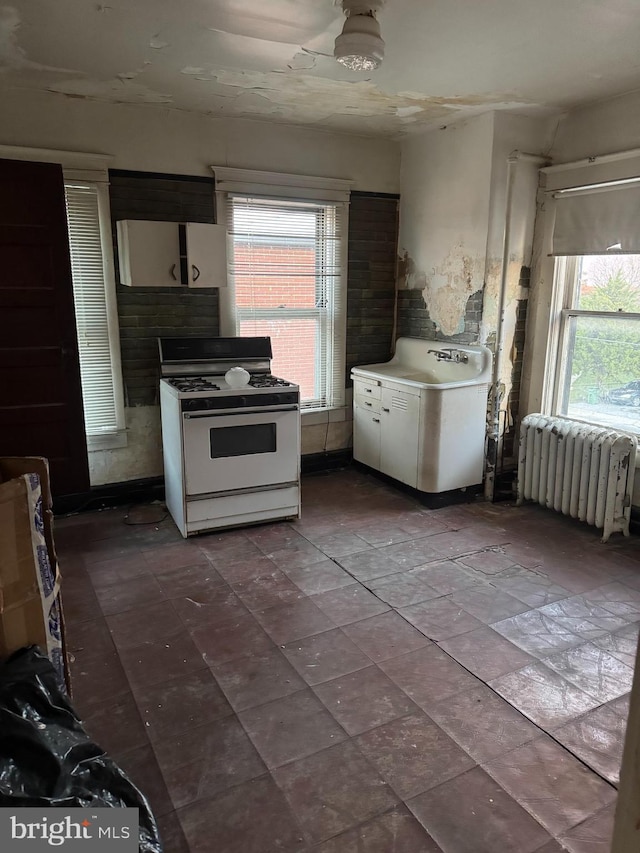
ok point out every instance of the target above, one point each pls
(449, 354)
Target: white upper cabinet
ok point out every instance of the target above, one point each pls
(172, 254)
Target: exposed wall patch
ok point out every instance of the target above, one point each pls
(449, 286)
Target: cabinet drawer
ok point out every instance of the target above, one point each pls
(227, 510)
(369, 404)
(367, 389)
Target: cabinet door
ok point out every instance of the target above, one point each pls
(366, 437)
(400, 419)
(149, 253)
(206, 255)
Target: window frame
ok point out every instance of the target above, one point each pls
(565, 295)
(326, 395)
(290, 188)
(115, 438)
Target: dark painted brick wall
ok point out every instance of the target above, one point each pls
(148, 313)
(373, 242)
(414, 320)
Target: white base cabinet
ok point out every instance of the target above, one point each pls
(429, 438)
(386, 429)
(421, 417)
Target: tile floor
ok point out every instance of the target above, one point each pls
(373, 677)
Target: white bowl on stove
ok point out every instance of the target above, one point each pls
(237, 377)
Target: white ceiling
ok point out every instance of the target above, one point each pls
(271, 59)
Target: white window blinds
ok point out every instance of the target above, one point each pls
(288, 273)
(597, 220)
(96, 322)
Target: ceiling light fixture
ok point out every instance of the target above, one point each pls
(359, 46)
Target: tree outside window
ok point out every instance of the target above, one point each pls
(600, 352)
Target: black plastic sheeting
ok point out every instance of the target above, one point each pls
(46, 757)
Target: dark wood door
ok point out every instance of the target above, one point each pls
(40, 393)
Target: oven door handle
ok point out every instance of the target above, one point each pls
(233, 413)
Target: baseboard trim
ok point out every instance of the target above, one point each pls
(113, 494)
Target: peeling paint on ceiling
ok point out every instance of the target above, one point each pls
(444, 60)
(121, 91)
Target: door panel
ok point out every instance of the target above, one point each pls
(399, 446)
(366, 437)
(41, 401)
(207, 254)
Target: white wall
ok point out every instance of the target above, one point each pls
(155, 139)
(445, 184)
(512, 133)
(602, 128)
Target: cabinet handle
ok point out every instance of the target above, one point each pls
(376, 420)
(195, 271)
(172, 272)
(367, 403)
(385, 410)
(368, 390)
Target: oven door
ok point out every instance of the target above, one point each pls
(241, 450)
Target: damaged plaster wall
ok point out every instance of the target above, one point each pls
(452, 219)
(511, 133)
(445, 184)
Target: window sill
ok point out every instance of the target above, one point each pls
(107, 441)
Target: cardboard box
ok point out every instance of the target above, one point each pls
(30, 605)
(16, 466)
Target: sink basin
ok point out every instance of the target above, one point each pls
(414, 364)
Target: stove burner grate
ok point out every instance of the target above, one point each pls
(194, 383)
(260, 381)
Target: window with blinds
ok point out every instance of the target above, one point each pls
(287, 269)
(96, 318)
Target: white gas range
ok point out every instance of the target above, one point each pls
(231, 455)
